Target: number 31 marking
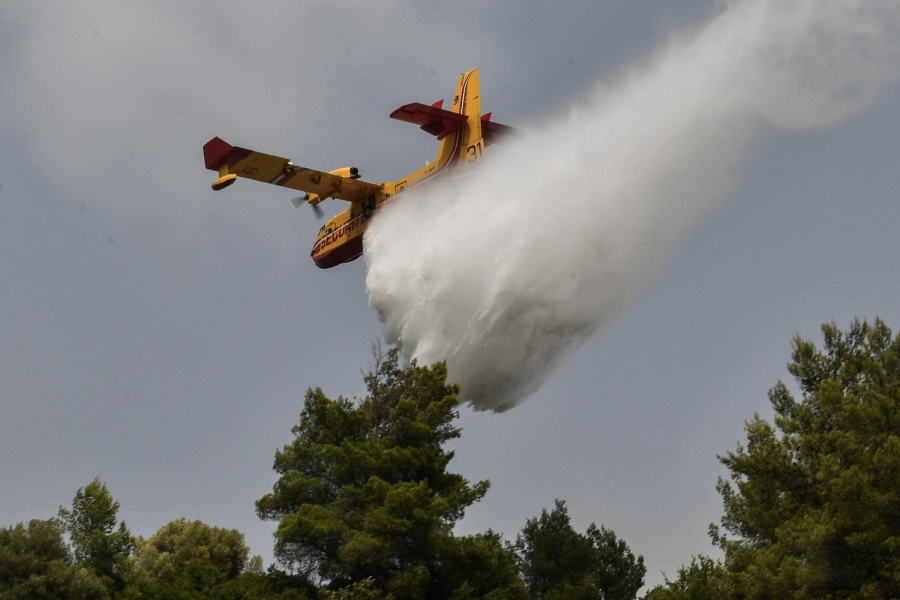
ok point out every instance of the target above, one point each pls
(475, 151)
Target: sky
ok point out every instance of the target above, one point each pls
(160, 335)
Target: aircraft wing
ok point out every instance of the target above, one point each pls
(280, 171)
(432, 119)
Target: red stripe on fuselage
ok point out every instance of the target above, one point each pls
(346, 252)
(343, 251)
(342, 231)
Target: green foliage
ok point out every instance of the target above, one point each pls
(364, 492)
(193, 555)
(704, 579)
(550, 553)
(361, 590)
(97, 544)
(814, 502)
(273, 585)
(556, 562)
(247, 586)
(477, 566)
(615, 572)
(36, 564)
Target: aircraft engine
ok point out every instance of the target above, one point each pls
(351, 172)
(313, 200)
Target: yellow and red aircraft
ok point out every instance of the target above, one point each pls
(463, 131)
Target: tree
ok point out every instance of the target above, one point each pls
(615, 573)
(98, 545)
(362, 590)
(192, 555)
(365, 493)
(814, 501)
(557, 562)
(703, 579)
(550, 553)
(35, 564)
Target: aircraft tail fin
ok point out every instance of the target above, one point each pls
(469, 145)
(463, 131)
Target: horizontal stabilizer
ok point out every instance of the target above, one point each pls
(431, 119)
(492, 131)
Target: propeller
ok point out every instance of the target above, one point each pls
(317, 210)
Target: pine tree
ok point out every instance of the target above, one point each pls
(558, 563)
(98, 544)
(813, 507)
(365, 493)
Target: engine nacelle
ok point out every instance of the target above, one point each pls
(350, 172)
(313, 199)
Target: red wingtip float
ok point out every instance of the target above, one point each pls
(463, 132)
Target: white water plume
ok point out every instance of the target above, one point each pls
(502, 272)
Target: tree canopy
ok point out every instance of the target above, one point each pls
(813, 505)
(703, 579)
(556, 562)
(36, 563)
(365, 493)
(193, 555)
(97, 543)
(366, 507)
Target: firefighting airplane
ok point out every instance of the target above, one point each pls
(463, 131)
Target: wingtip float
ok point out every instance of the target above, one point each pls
(463, 131)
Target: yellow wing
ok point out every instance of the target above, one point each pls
(232, 162)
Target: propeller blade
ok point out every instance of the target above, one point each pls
(303, 200)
